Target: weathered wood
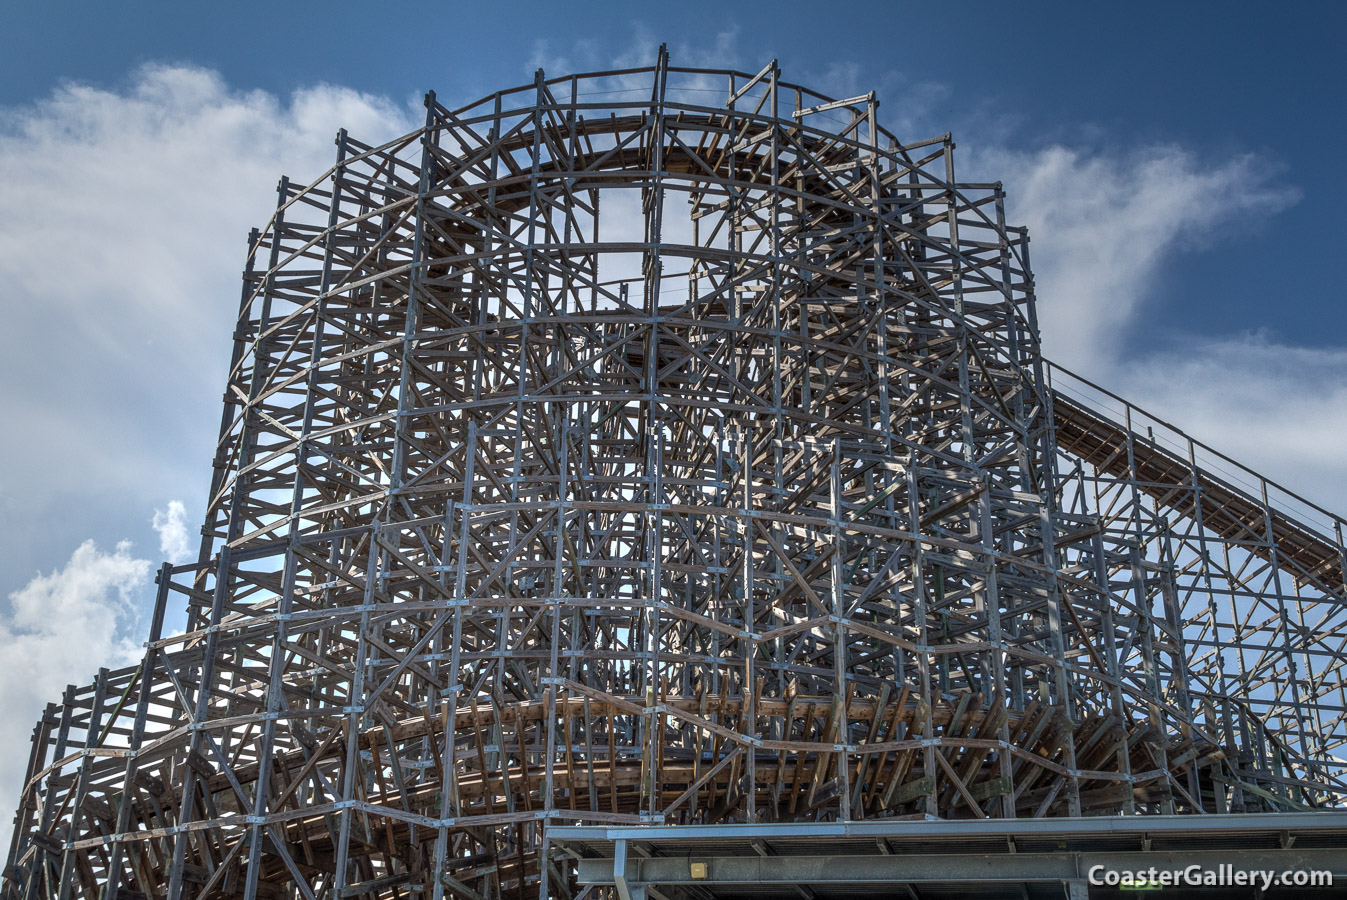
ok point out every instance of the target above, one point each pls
(618, 458)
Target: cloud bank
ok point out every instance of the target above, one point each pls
(59, 630)
(127, 212)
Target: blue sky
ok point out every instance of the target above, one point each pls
(1178, 165)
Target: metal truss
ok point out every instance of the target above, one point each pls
(673, 446)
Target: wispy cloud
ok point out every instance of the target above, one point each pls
(1104, 227)
(171, 525)
(720, 50)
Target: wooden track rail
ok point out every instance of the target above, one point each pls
(1173, 482)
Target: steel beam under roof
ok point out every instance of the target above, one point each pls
(977, 859)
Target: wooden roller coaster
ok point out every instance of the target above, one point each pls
(673, 446)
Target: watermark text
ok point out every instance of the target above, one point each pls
(1224, 875)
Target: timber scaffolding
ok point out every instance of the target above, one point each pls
(749, 500)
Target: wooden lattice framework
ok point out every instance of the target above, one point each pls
(627, 448)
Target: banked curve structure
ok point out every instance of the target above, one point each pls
(671, 446)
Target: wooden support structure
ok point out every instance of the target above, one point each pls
(673, 447)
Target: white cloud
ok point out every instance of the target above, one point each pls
(1278, 408)
(171, 525)
(145, 197)
(124, 232)
(60, 629)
